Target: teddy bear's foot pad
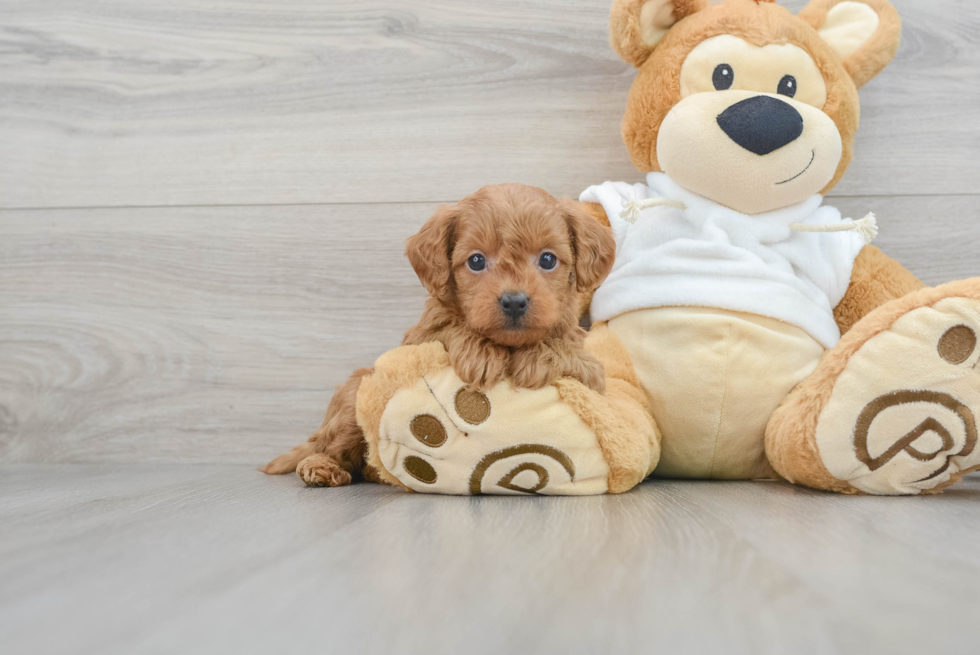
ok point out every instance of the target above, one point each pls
(427, 431)
(902, 416)
(441, 436)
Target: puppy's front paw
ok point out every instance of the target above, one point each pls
(322, 471)
(480, 364)
(534, 367)
(541, 365)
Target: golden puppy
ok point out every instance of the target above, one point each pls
(507, 270)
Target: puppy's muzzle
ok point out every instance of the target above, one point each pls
(514, 305)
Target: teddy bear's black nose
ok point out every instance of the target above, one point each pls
(761, 124)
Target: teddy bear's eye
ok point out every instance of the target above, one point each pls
(787, 86)
(723, 77)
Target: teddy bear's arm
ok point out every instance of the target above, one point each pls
(875, 279)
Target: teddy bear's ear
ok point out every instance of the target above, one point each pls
(865, 33)
(636, 26)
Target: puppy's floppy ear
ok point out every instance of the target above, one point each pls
(865, 33)
(593, 244)
(636, 26)
(430, 250)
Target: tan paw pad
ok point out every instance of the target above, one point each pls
(902, 416)
(440, 436)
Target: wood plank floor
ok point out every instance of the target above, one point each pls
(212, 559)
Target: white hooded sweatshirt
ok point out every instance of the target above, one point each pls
(707, 255)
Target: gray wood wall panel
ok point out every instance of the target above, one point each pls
(217, 334)
(156, 332)
(182, 102)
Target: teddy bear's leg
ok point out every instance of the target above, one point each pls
(430, 432)
(892, 409)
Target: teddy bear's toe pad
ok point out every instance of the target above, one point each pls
(440, 436)
(902, 417)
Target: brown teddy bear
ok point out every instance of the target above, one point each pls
(768, 335)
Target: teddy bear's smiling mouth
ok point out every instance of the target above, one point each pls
(813, 156)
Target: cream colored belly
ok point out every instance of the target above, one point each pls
(713, 378)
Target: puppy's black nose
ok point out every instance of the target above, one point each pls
(514, 304)
(761, 124)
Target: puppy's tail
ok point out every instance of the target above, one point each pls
(287, 463)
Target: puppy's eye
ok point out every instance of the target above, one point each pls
(476, 262)
(548, 260)
(787, 86)
(723, 77)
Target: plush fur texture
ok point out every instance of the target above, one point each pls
(510, 226)
(626, 434)
(394, 370)
(875, 280)
(617, 423)
(875, 54)
(791, 434)
(849, 44)
(656, 89)
(626, 32)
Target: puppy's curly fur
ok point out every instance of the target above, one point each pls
(498, 242)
